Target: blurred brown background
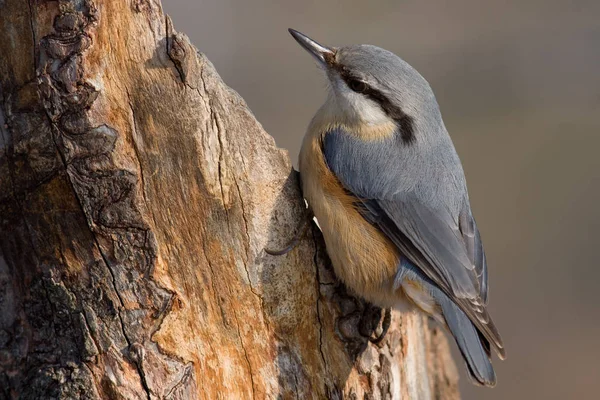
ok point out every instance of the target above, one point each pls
(518, 83)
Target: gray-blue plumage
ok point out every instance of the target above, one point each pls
(475, 353)
(422, 213)
(383, 138)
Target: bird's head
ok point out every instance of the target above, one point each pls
(373, 92)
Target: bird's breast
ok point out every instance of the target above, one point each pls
(362, 257)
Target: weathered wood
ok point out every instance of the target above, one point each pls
(137, 193)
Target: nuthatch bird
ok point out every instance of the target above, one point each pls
(383, 179)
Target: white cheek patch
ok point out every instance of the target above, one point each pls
(356, 107)
(369, 111)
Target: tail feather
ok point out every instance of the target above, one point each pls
(474, 347)
(472, 343)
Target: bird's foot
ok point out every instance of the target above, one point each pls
(385, 326)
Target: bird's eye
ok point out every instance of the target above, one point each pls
(357, 86)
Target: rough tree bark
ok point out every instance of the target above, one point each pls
(137, 192)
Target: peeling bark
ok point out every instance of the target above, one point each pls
(137, 193)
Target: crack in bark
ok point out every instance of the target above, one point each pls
(245, 352)
(297, 386)
(35, 60)
(122, 306)
(219, 129)
(244, 218)
(212, 281)
(220, 162)
(135, 149)
(214, 117)
(198, 91)
(186, 375)
(139, 159)
(242, 159)
(169, 38)
(318, 281)
(104, 257)
(245, 261)
(39, 183)
(55, 134)
(212, 272)
(96, 230)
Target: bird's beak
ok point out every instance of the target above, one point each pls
(321, 53)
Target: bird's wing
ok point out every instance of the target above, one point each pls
(446, 248)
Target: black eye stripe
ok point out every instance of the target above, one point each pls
(357, 86)
(403, 121)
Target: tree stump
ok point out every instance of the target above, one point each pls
(137, 193)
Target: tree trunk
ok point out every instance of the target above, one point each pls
(137, 193)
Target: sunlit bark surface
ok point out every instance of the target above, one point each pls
(137, 193)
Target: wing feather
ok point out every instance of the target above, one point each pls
(445, 244)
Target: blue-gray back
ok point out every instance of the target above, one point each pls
(419, 200)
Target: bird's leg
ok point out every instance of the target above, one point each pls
(385, 325)
(300, 232)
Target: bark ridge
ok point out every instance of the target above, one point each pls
(137, 192)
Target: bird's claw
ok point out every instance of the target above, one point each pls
(385, 326)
